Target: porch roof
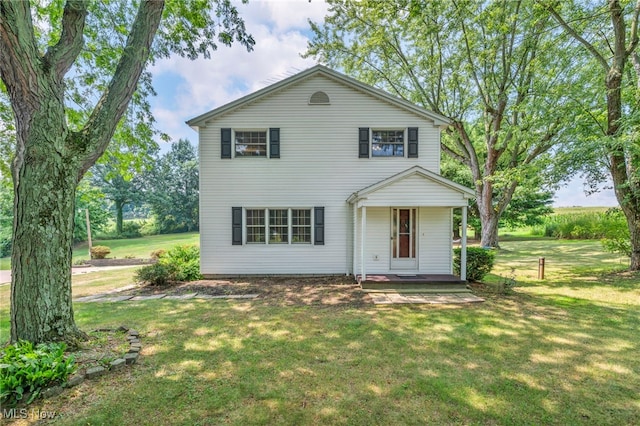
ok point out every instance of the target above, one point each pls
(415, 186)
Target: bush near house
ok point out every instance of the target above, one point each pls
(479, 262)
(181, 263)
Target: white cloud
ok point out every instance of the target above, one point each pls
(573, 195)
(190, 88)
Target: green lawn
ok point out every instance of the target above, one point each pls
(134, 247)
(559, 351)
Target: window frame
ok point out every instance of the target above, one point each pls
(243, 130)
(388, 129)
(267, 225)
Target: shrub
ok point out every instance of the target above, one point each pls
(26, 369)
(157, 254)
(582, 225)
(181, 263)
(617, 239)
(155, 274)
(100, 252)
(5, 246)
(479, 262)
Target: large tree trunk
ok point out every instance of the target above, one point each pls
(634, 228)
(44, 189)
(50, 160)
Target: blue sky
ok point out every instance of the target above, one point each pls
(189, 88)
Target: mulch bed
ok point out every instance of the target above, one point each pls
(279, 291)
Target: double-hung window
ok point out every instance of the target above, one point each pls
(387, 143)
(255, 226)
(280, 226)
(251, 143)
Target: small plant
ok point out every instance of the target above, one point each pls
(100, 252)
(25, 369)
(479, 262)
(181, 263)
(157, 254)
(506, 284)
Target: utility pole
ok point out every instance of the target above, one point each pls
(88, 231)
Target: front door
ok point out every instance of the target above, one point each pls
(404, 223)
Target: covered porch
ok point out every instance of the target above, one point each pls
(402, 232)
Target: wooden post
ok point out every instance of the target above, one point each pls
(88, 231)
(541, 268)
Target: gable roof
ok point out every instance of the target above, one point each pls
(438, 120)
(413, 171)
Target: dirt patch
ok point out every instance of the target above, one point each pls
(279, 291)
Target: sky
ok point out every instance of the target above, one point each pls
(189, 88)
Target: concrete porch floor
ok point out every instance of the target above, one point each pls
(431, 298)
(414, 283)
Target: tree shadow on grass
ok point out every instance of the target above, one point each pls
(525, 359)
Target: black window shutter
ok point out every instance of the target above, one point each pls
(363, 142)
(413, 142)
(274, 143)
(318, 226)
(236, 226)
(225, 140)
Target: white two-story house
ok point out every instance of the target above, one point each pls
(322, 174)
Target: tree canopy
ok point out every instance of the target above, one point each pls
(493, 67)
(72, 70)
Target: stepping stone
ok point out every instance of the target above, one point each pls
(130, 358)
(117, 364)
(89, 298)
(182, 296)
(151, 297)
(205, 296)
(241, 296)
(112, 299)
(94, 372)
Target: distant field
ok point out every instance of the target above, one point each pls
(573, 210)
(133, 247)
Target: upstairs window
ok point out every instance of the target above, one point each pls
(251, 143)
(387, 143)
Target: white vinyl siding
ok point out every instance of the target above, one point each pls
(318, 166)
(433, 241)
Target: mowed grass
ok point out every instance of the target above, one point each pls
(131, 247)
(559, 351)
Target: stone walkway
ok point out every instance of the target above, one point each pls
(106, 297)
(428, 298)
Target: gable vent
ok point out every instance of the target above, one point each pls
(319, 98)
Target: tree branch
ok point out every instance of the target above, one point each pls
(590, 47)
(63, 54)
(18, 54)
(93, 139)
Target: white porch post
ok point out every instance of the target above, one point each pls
(354, 259)
(463, 246)
(363, 242)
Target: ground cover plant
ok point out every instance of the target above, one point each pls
(558, 351)
(26, 369)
